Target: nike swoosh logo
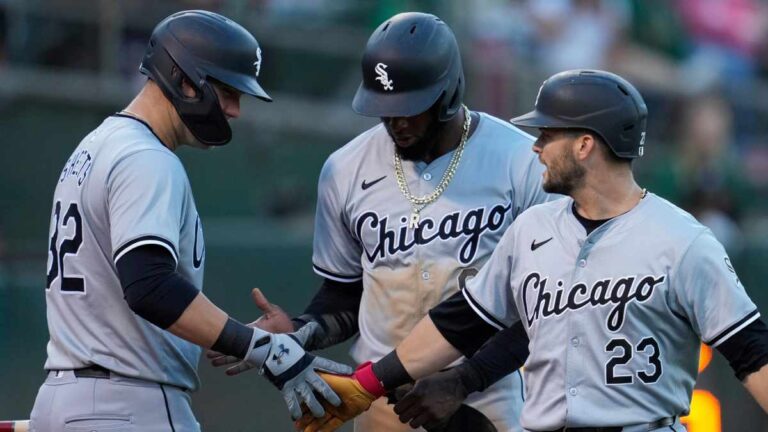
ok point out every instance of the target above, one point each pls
(367, 185)
(535, 245)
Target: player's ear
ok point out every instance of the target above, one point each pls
(584, 145)
(188, 89)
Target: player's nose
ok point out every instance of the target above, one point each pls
(396, 123)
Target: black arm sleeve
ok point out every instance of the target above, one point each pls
(747, 350)
(505, 353)
(152, 287)
(460, 325)
(335, 307)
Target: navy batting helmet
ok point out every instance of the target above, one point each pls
(410, 63)
(199, 46)
(598, 101)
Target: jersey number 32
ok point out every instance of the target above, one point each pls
(67, 246)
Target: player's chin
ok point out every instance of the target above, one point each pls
(405, 142)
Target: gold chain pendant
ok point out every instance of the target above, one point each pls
(418, 203)
(414, 221)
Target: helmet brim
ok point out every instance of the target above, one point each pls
(246, 84)
(536, 119)
(396, 104)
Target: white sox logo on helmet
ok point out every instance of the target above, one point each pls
(257, 63)
(383, 78)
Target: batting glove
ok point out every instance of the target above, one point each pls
(281, 358)
(354, 396)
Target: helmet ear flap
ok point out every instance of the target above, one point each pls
(450, 103)
(177, 53)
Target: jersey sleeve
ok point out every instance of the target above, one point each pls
(146, 192)
(489, 293)
(527, 186)
(708, 292)
(336, 253)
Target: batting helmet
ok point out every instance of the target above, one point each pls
(410, 63)
(598, 101)
(199, 46)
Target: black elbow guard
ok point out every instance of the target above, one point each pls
(460, 325)
(152, 287)
(163, 302)
(747, 350)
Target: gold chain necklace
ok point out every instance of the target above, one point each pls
(418, 203)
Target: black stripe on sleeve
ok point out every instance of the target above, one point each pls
(148, 239)
(480, 310)
(461, 325)
(747, 349)
(335, 276)
(730, 331)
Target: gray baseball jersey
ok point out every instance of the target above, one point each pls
(615, 318)
(361, 225)
(120, 189)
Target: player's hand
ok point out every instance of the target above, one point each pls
(355, 400)
(432, 401)
(292, 370)
(274, 318)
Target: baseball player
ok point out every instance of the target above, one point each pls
(126, 314)
(412, 208)
(615, 286)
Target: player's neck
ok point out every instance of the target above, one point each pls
(608, 195)
(151, 107)
(450, 136)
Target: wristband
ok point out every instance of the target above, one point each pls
(368, 380)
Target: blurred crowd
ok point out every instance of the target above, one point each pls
(702, 66)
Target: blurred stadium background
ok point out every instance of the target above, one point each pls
(702, 66)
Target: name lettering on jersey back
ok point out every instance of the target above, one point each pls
(470, 224)
(618, 292)
(78, 165)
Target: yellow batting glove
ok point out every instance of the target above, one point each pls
(355, 399)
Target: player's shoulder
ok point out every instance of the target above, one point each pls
(366, 145)
(546, 211)
(503, 136)
(123, 144)
(672, 221)
(127, 139)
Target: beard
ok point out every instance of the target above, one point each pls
(425, 145)
(564, 175)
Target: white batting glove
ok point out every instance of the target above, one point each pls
(292, 370)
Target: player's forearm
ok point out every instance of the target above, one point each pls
(503, 354)
(425, 350)
(201, 322)
(335, 307)
(757, 384)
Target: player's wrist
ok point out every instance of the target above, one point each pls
(390, 372)
(368, 380)
(302, 320)
(235, 339)
(259, 347)
(470, 378)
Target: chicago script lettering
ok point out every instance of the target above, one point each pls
(394, 240)
(619, 292)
